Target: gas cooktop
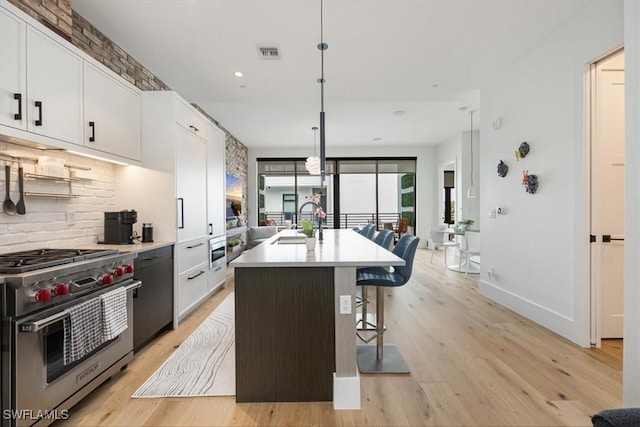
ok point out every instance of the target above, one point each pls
(21, 262)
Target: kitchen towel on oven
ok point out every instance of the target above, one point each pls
(114, 309)
(83, 330)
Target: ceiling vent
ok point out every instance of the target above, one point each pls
(269, 53)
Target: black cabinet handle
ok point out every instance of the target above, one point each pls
(181, 209)
(210, 229)
(198, 274)
(195, 246)
(18, 97)
(151, 258)
(194, 128)
(92, 125)
(606, 238)
(39, 107)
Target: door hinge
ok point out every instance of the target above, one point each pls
(592, 238)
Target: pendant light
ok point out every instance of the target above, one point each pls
(471, 191)
(312, 164)
(322, 46)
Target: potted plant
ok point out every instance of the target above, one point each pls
(307, 230)
(463, 225)
(234, 244)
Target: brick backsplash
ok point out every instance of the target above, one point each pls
(56, 222)
(46, 221)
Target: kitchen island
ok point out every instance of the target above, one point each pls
(292, 342)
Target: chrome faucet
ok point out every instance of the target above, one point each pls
(316, 206)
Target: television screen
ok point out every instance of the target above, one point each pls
(234, 196)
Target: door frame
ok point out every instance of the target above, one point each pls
(592, 253)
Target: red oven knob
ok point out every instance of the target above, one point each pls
(106, 279)
(42, 295)
(128, 268)
(119, 271)
(61, 289)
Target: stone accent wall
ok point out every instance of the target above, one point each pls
(89, 39)
(54, 14)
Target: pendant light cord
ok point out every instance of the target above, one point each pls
(471, 114)
(322, 46)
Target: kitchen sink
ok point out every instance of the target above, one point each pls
(290, 240)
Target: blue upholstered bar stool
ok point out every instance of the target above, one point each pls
(385, 240)
(368, 231)
(386, 358)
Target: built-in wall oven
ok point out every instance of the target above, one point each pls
(43, 386)
(217, 252)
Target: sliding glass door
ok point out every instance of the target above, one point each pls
(359, 191)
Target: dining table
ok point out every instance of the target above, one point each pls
(473, 261)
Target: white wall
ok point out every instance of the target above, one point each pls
(539, 250)
(631, 370)
(426, 180)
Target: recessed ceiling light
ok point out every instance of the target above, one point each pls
(435, 85)
(238, 74)
(242, 86)
(377, 138)
(399, 112)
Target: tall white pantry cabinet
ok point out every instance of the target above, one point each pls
(171, 191)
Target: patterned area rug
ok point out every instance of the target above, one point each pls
(203, 365)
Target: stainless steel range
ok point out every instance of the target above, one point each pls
(40, 382)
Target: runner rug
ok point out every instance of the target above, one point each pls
(203, 365)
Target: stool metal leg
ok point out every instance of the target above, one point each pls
(381, 358)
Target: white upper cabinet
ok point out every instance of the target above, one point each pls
(54, 89)
(111, 114)
(50, 92)
(216, 181)
(13, 71)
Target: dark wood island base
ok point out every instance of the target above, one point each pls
(285, 334)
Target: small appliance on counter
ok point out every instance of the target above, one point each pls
(147, 232)
(118, 227)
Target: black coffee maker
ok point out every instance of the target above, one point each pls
(118, 227)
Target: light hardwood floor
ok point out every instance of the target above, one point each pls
(473, 363)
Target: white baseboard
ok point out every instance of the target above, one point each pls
(560, 324)
(346, 392)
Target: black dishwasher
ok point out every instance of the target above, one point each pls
(153, 302)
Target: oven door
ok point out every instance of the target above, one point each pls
(217, 252)
(42, 381)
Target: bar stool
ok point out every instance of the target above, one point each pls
(383, 239)
(385, 358)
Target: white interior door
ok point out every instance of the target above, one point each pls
(608, 194)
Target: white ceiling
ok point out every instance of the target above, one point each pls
(425, 57)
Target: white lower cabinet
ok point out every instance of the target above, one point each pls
(192, 288)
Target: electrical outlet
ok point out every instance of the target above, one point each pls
(345, 304)
(71, 218)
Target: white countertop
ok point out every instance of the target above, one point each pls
(342, 247)
(134, 247)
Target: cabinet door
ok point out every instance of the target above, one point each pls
(54, 89)
(191, 184)
(215, 181)
(13, 71)
(192, 288)
(111, 114)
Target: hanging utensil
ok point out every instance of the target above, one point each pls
(21, 209)
(8, 206)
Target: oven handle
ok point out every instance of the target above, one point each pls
(43, 323)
